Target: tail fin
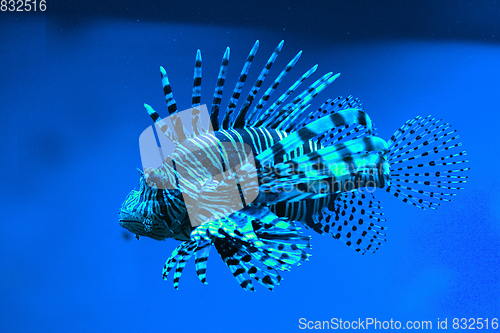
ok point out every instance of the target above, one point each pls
(426, 163)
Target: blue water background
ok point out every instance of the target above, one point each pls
(71, 114)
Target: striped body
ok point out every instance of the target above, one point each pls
(260, 138)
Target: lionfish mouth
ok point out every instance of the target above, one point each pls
(142, 228)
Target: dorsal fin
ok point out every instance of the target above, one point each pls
(276, 116)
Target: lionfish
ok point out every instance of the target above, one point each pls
(316, 168)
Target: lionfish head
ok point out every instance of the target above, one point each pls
(155, 213)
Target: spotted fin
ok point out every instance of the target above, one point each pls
(354, 217)
(239, 261)
(427, 165)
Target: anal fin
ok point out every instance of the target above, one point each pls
(354, 217)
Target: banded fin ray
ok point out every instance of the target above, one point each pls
(197, 125)
(239, 86)
(269, 113)
(171, 135)
(254, 243)
(359, 172)
(335, 160)
(294, 109)
(337, 134)
(241, 114)
(200, 260)
(328, 107)
(172, 106)
(256, 111)
(179, 257)
(344, 118)
(219, 89)
(196, 99)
